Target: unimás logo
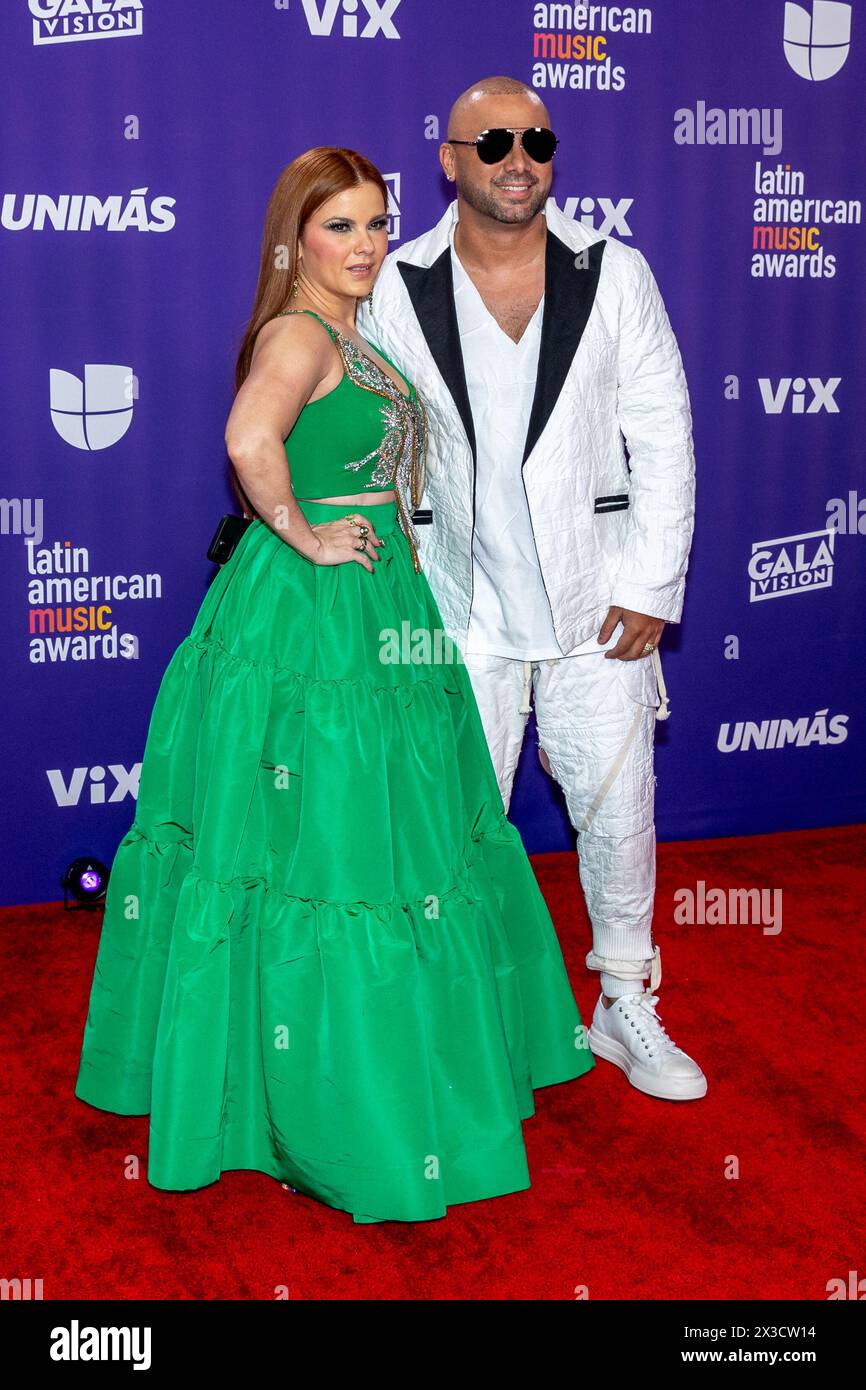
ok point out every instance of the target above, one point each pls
(321, 16)
(68, 21)
(95, 411)
(81, 212)
(791, 565)
(817, 38)
(783, 733)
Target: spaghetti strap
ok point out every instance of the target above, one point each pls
(332, 331)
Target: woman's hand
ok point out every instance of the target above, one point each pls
(341, 540)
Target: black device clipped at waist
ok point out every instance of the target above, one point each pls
(226, 536)
(231, 527)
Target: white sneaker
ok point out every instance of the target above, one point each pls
(632, 1036)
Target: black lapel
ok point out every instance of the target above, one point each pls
(431, 289)
(570, 283)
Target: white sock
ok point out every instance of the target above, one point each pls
(614, 987)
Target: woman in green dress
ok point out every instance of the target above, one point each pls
(324, 954)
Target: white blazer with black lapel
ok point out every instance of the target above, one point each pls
(607, 530)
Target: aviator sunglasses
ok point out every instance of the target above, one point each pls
(493, 145)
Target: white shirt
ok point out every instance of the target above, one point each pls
(510, 614)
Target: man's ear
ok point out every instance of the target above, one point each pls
(442, 160)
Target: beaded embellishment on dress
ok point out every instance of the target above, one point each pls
(401, 455)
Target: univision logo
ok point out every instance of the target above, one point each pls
(67, 21)
(816, 42)
(321, 22)
(95, 412)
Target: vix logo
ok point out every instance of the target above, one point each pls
(791, 392)
(93, 413)
(379, 21)
(613, 215)
(816, 42)
(125, 784)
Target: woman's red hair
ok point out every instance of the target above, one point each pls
(302, 188)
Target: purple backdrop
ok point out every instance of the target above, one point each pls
(136, 170)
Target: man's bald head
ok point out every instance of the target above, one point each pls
(514, 189)
(464, 113)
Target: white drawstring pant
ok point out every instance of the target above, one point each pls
(596, 723)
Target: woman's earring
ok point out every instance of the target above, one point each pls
(295, 287)
(370, 301)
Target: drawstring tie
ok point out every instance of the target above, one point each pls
(663, 711)
(527, 682)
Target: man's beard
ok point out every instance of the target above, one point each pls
(482, 201)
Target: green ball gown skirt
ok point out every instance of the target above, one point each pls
(324, 953)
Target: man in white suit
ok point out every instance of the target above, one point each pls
(537, 344)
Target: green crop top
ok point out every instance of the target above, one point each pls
(365, 435)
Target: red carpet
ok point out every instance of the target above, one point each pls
(629, 1195)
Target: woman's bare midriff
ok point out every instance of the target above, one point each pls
(357, 500)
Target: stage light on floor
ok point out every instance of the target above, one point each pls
(86, 879)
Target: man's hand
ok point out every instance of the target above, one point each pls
(638, 629)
